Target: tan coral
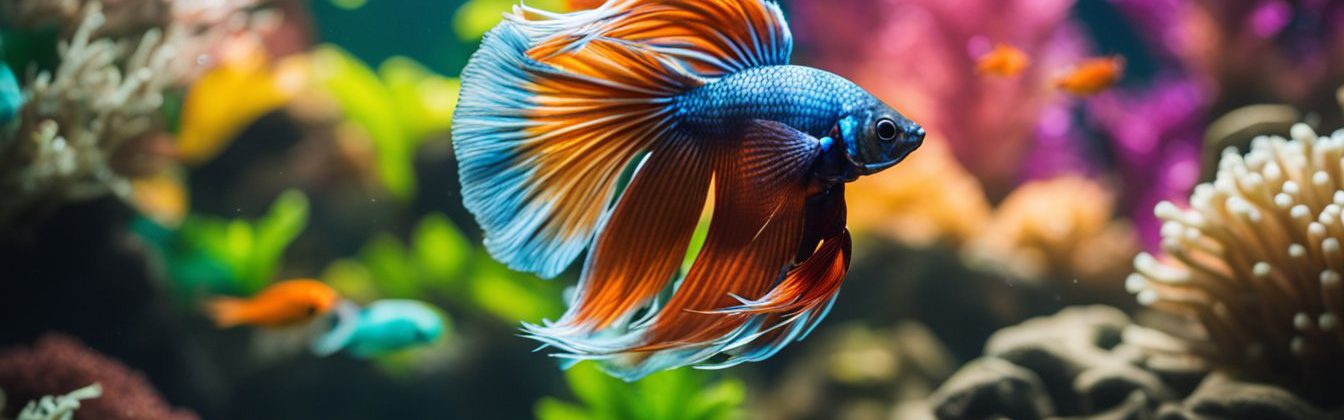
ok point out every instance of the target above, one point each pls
(1062, 228)
(928, 199)
(1255, 263)
(105, 95)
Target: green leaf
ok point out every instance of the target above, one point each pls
(441, 251)
(367, 102)
(275, 231)
(425, 100)
(475, 17)
(697, 241)
(669, 395)
(352, 280)
(236, 249)
(390, 267)
(512, 296)
(553, 409)
(720, 402)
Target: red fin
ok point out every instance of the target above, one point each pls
(753, 237)
(644, 240)
(809, 285)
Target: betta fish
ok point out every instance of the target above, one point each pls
(1004, 60)
(683, 97)
(1092, 76)
(382, 327)
(282, 304)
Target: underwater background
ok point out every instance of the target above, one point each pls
(1124, 208)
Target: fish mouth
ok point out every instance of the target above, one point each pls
(872, 168)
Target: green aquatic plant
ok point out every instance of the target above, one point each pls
(439, 260)
(475, 17)
(249, 252)
(399, 106)
(681, 394)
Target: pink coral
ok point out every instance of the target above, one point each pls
(920, 56)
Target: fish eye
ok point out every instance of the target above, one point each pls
(886, 129)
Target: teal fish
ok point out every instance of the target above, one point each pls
(382, 327)
(11, 98)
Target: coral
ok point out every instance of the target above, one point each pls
(1060, 228)
(84, 125)
(1082, 362)
(1155, 136)
(1255, 264)
(58, 407)
(57, 364)
(1249, 51)
(920, 56)
(926, 200)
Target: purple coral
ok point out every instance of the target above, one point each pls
(1155, 137)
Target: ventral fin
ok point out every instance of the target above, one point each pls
(754, 235)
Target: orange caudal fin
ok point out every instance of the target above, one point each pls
(227, 312)
(554, 107)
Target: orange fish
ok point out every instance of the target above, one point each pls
(1005, 60)
(285, 303)
(1092, 76)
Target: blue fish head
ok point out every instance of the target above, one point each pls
(877, 137)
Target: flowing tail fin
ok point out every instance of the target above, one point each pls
(228, 311)
(544, 127)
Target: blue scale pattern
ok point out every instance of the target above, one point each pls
(805, 98)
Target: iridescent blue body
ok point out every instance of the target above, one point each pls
(816, 102)
(807, 99)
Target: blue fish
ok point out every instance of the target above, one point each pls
(382, 327)
(11, 98)
(700, 95)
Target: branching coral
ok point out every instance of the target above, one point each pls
(58, 364)
(1060, 228)
(1255, 263)
(59, 407)
(103, 98)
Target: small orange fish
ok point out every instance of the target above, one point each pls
(1092, 76)
(1004, 60)
(285, 303)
